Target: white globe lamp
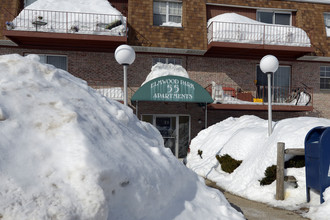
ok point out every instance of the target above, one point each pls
(125, 55)
(269, 65)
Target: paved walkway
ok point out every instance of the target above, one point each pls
(255, 210)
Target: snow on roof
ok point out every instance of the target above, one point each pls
(161, 69)
(233, 17)
(313, 1)
(80, 155)
(86, 6)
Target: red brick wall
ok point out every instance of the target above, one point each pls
(120, 5)
(203, 70)
(192, 34)
(8, 11)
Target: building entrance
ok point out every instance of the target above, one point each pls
(175, 130)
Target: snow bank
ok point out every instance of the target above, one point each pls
(246, 139)
(321, 212)
(67, 152)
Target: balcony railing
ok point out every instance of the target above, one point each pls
(267, 34)
(112, 89)
(258, 95)
(69, 22)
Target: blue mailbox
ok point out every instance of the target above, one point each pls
(317, 160)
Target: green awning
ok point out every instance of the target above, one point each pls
(172, 89)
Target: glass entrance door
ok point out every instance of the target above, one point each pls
(175, 130)
(184, 135)
(167, 128)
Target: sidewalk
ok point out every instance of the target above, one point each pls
(254, 210)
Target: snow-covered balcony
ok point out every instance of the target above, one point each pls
(62, 29)
(247, 97)
(231, 34)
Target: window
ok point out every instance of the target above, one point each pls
(327, 23)
(28, 2)
(55, 60)
(176, 61)
(274, 17)
(325, 77)
(59, 61)
(167, 13)
(280, 83)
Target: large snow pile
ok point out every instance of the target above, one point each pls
(232, 27)
(246, 139)
(161, 69)
(76, 16)
(67, 152)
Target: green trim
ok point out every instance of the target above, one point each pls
(172, 89)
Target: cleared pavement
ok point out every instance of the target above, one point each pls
(255, 210)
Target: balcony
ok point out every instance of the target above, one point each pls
(233, 97)
(254, 40)
(110, 89)
(67, 30)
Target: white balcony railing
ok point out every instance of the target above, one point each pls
(69, 22)
(267, 34)
(115, 93)
(258, 95)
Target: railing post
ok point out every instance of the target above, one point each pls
(280, 171)
(66, 22)
(264, 35)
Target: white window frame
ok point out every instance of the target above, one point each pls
(274, 13)
(155, 60)
(327, 19)
(167, 10)
(326, 16)
(326, 70)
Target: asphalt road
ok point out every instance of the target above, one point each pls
(257, 211)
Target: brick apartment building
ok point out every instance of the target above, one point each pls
(178, 32)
